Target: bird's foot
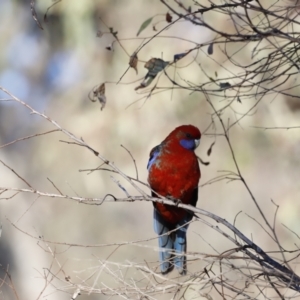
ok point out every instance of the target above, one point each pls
(175, 200)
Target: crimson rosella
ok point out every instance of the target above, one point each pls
(174, 173)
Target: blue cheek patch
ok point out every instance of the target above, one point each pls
(188, 144)
(152, 158)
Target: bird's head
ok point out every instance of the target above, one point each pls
(188, 136)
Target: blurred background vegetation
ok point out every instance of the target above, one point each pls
(54, 70)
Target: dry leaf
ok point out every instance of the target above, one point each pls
(110, 47)
(205, 163)
(133, 62)
(34, 15)
(168, 18)
(210, 149)
(155, 65)
(210, 49)
(179, 56)
(99, 94)
(114, 33)
(225, 85)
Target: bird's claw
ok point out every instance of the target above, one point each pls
(175, 200)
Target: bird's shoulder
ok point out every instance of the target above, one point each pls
(154, 153)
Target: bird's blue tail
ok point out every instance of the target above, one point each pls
(180, 247)
(172, 246)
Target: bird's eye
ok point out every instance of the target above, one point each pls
(188, 135)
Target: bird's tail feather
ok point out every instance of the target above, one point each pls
(180, 249)
(165, 242)
(170, 243)
(180, 244)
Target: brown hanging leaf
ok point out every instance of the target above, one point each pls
(205, 163)
(210, 49)
(133, 62)
(155, 65)
(224, 85)
(34, 15)
(114, 33)
(110, 47)
(179, 56)
(210, 149)
(168, 18)
(98, 93)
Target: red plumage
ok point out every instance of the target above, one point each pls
(175, 172)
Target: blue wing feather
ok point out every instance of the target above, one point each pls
(153, 156)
